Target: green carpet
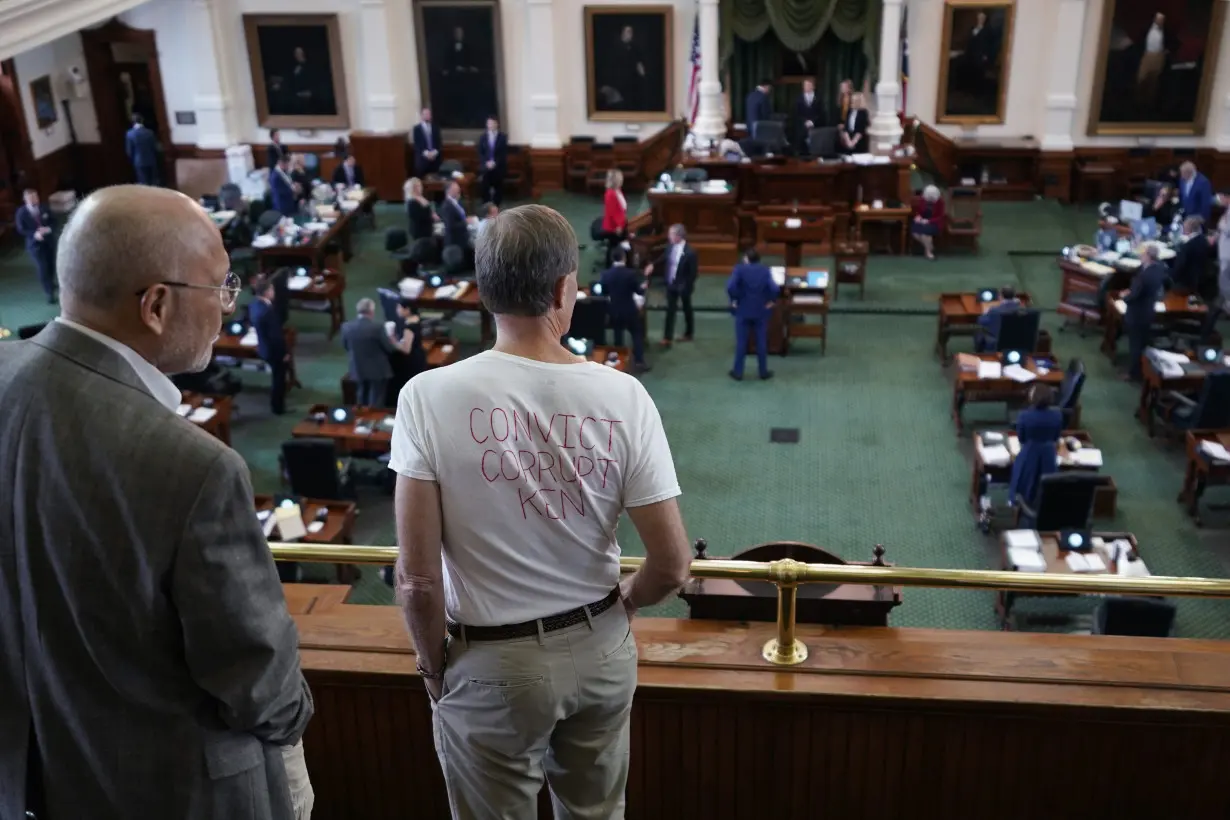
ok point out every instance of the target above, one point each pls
(877, 462)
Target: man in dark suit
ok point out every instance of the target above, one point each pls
(349, 174)
(456, 223)
(148, 665)
(1191, 261)
(34, 224)
(275, 150)
(270, 343)
(753, 294)
(620, 286)
(809, 113)
(493, 161)
(978, 55)
(989, 322)
(1195, 192)
(678, 267)
(282, 189)
(369, 347)
(1147, 288)
(142, 148)
(758, 106)
(427, 144)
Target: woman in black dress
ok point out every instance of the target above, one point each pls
(414, 360)
(418, 210)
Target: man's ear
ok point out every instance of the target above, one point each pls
(156, 309)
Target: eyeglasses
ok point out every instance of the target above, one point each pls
(228, 292)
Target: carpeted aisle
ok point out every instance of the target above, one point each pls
(877, 461)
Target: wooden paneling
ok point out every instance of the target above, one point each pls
(546, 170)
(1055, 175)
(877, 723)
(383, 159)
(937, 154)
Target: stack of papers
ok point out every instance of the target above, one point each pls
(316, 227)
(779, 274)
(1023, 539)
(1026, 560)
(995, 455)
(990, 370)
(183, 410)
(793, 222)
(348, 205)
(1085, 562)
(202, 414)
(808, 299)
(264, 241)
(249, 338)
(1019, 374)
(1096, 269)
(1215, 450)
(1014, 446)
(298, 282)
(1087, 457)
(446, 291)
(410, 287)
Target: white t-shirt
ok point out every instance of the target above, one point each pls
(535, 463)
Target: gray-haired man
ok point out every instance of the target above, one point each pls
(514, 467)
(369, 346)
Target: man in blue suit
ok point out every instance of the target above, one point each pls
(758, 106)
(493, 161)
(270, 343)
(753, 294)
(34, 224)
(282, 189)
(1195, 192)
(456, 223)
(142, 148)
(989, 322)
(1140, 299)
(620, 285)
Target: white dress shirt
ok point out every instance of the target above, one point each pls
(159, 386)
(850, 123)
(1155, 41)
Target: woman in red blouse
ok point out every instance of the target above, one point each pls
(614, 211)
(927, 219)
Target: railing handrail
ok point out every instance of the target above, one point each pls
(789, 572)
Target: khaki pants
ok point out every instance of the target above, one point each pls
(557, 705)
(1152, 63)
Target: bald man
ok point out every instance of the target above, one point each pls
(148, 666)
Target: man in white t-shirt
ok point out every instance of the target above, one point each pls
(514, 467)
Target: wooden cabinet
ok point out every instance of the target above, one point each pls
(383, 158)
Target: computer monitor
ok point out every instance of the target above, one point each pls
(1130, 210)
(1106, 239)
(1145, 229)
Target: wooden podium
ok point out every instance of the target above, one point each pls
(794, 232)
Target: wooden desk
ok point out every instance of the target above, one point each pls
(434, 186)
(1153, 384)
(379, 441)
(1177, 309)
(801, 302)
(787, 181)
(440, 353)
(815, 232)
(329, 287)
(314, 599)
(959, 314)
(711, 219)
(466, 299)
(967, 387)
(311, 249)
(339, 526)
(1202, 470)
(875, 723)
(886, 217)
(229, 346)
(600, 353)
(850, 264)
(220, 425)
(1056, 563)
(1104, 498)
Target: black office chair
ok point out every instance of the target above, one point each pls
(1065, 502)
(268, 220)
(695, 175)
(396, 243)
(1188, 334)
(822, 142)
(1070, 393)
(230, 197)
(751, 147)
(425, 252)
(454, 259)
(1019, 330)
(450, 167)
(1210, 411)
(771, 134)
(311, 467)
(589, 319)
(1135, 617)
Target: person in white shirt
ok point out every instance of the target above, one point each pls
(1152, 61)
(514, 467)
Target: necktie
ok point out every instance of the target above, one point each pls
(670, 272)
(38, 218)
(350, 176)
(427, 135)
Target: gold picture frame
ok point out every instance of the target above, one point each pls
(653, 96)
(963, 94)
(1193, 126)
(43, 102)
(460, 101)
(321, 101)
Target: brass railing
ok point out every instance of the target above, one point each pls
(786, 649)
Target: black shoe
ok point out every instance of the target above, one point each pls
(640, 367)
(386, 575)
(767, 375)
(735, 376)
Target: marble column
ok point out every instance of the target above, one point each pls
(380, 100)
(544, 96)
(885, 130)
(1066, 36)
(214, 98)
(710, 117)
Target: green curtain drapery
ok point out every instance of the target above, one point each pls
(799, 24)
(752, 61)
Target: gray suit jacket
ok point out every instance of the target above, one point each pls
(145, 647)
(369, 349)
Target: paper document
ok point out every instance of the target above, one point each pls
(290, 522)
(1085, 562)
(446, 291)
(1088, 457)
(202, 414)
(1131, 569)
(264, 241)
(779, 274)
(249, 339)
(1120, 307)
(1025, 539)
(183, 410)
(1215, 450)
(1019, 374)
(1014, 446)
(1159, 307)
(996, 455)
(808, 299)
(298, 282)
(315, 527)
(794, 223)
(410, 287)
(1026, 560)
(316, 227)
(990, 370)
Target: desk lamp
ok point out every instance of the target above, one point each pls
(287, 501)
(340, 415)
(1209, 355)
(1011, 357)
(1075, 540)
(595, 289)
(435, 280)
(235, 328)
(988, 295)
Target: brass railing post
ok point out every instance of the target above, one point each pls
(785, 649)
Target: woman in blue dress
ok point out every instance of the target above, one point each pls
(1038, 429)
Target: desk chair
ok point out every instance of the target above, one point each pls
(1019, 330)
(963, 220)
(1188, 334)
(450, 167)
(312, 469)
(771, 134)
(1211, 411)
(579, 159)
(1070, 394)
(1135, 617)
(268, 220)
(589, 320)
(822, 142)
(1065, 502)
(694, 175)
(397, 245)
(454, 259)
(425, 252)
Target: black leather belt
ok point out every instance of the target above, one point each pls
(529, 629)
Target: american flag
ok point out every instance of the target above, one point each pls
(694, 86)
(905, 56)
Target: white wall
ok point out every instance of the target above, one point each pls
(1030, 72)
(53, 59)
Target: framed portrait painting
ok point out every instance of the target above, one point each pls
(298, 78)
(1156, 62)
(45, 114)
(628, 62)
(974, 61)
(461, 70)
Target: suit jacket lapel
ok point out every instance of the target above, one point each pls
(88, 353)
